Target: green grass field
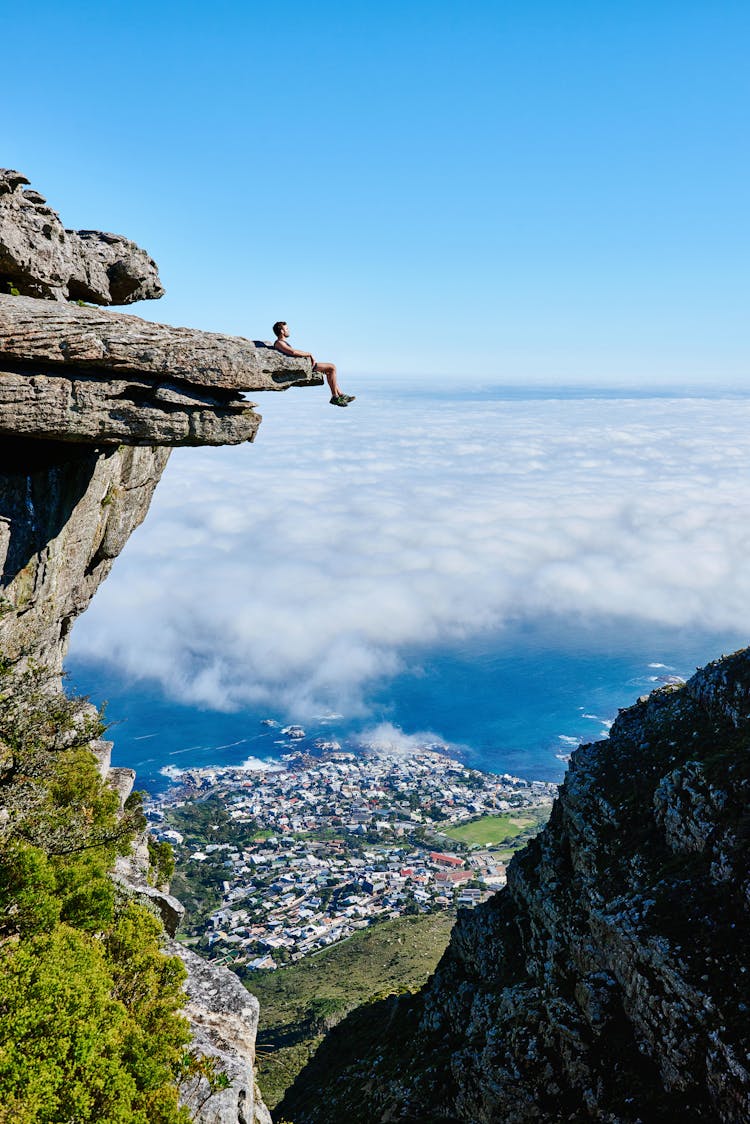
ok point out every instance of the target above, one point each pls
(490, 831)
(298, 1004)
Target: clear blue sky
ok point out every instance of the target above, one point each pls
(550, 191)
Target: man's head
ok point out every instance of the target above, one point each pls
(278, 328)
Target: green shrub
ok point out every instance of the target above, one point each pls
(161, 861)
(28, 900)
(90, 1023)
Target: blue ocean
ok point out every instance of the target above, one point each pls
(519, 710)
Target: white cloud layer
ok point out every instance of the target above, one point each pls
(389, 739)
(293, 572)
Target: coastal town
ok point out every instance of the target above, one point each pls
(281, 862)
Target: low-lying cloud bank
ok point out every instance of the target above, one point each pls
(391, 740)
(293, 573)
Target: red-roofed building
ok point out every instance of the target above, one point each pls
(445, 860)
(453, 876)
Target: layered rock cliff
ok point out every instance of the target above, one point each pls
(79, 374)
(609, 981)
(66, 512)
(91, 403)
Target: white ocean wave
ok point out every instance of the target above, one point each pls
(250, 765)
(388, 739)
(256, 765)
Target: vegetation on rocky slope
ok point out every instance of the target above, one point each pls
(300, 1003)
(90, 1028)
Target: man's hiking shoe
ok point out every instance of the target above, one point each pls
(340, 400)
(349, 397)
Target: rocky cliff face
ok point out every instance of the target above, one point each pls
(91, 403)
(65, 514)
(609, 981)
(224, 1019)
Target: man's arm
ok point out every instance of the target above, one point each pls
(287, 350)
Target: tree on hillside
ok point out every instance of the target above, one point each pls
(90, 1023)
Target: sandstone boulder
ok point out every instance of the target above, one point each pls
(40, 258)
(170, 910)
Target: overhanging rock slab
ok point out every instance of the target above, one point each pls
(34, 331)
(92, 376)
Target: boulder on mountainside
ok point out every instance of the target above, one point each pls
(40, 258)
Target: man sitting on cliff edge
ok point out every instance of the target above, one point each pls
(281, 331)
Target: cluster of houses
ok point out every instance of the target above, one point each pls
(343, 841)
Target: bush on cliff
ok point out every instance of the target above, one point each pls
(90, 1028)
